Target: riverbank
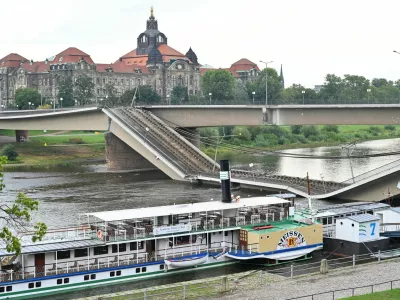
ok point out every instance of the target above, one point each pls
(250, 286)
(273, 138)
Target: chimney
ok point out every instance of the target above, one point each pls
(225, 176)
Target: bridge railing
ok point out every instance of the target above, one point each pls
(371, 173)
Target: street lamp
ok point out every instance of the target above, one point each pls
(253, 96)
(76, 102)
(266, 79)
(61, 99)
(210, 94)
(303, 92)
(168, 103)
(29, 107)
(368, 91)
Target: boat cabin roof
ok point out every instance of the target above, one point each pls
(158, 211)
(275, 226)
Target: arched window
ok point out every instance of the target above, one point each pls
(144, 39)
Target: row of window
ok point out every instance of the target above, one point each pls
(7, 288)
(100, 250)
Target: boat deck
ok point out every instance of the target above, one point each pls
(275, 226)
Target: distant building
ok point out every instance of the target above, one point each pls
(153, 63)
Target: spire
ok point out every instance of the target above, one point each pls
(151, 12)
(192, 56)
(282, 79)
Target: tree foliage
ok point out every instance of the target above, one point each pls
(220, 83)
(16, 218)
(111, 95)
(179, 95)
(83, 88)
(144, 95)
(66, 91)
(259, 87)
(25, 95)
(9, 151)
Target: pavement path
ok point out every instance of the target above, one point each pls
(287, 288)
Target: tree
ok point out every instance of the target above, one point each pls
(333, 88)
(111, 95)
(379, 82)
(25, 95)
(220, 83)
(83, 89)
(9, 151)
(66, 91)
(294, 94)
(144, 95)
(16, 217)
(179, 95)
(355, 87)
(259, 87)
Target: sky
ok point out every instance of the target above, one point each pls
(310, 38)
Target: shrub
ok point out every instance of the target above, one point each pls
(331, 128)
(309, 130)
(9, 151)
(243, 133)
(375, 130)
(390, 127)
(75, 141)
(296, 129)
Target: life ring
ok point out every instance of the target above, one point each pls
(99, 234)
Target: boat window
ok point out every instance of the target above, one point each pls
(81, 252)
(59, 281)
(226, 233)
(162, 267)
(118, 273)
(137, 270)
(9, 288)
(93, 276)
(112, 274)
(1, 289)
(30, 285)
(144, 269)
(182, 240)
(86, 277)
(100, 250)
(38, 284)
(330, 220)
(63, 254)
(122, 248)
(66, 280)
(133, 245)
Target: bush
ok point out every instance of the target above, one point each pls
(296, 129)
(309, 131)
(243, 133)
(331, 128)
(390, 127)
(9, 151)
(375, 130)
(75, 141)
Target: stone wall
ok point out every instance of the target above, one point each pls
(121, 157)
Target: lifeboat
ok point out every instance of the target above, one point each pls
(187, 262)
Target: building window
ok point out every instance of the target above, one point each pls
(100, 250)
(133, 245)
(63, 254)
(81, 252)
(104, 80)
(122, 248)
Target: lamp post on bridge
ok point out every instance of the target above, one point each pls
(266, 79)
(303, 92)
(210, 94)
(253, 96)
(368, 91)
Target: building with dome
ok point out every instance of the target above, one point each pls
(153, 62)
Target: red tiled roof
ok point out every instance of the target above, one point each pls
(243, 65)
(169, 51)
(72, 55)
(36, 67)
(12, 60)
(166, 51)
(121, 67)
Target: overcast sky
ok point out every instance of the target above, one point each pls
(310, 38)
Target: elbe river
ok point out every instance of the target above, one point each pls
(64, 193)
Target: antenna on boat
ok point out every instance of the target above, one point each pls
(225, 177)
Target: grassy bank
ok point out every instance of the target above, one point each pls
(387, 295)
(61, 149)
(291, 137)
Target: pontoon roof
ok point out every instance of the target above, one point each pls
(148, 212)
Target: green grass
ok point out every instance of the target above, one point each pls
(387, 295)
(62, 139)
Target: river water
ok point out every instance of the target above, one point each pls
(64, 193)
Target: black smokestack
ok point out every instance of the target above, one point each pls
(225, 176)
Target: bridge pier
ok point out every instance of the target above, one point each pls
(121, 157)
(192, 134)
(21, 136)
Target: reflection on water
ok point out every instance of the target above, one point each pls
(65, 193)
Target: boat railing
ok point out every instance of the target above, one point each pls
(212, 224)
(329, 230)
(110, 261)
(61, 234)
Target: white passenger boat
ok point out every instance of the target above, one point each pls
(134, 244)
